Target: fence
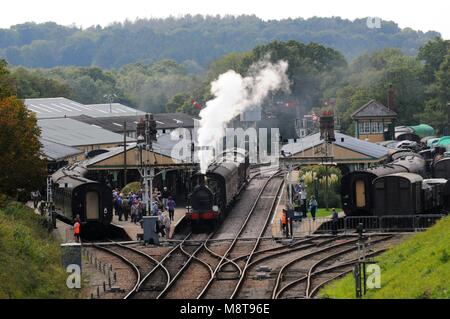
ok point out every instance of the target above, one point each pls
(347, 225)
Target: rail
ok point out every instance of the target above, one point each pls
(236, 238)
(381, 224)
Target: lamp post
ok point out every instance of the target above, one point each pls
(146, 174)
(110, 98)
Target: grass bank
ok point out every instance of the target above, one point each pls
(30, 261)
(418, 268)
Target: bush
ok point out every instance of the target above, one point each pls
(134, 187)
(319, 172)
(30, 259)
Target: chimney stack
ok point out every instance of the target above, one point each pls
(391, 98)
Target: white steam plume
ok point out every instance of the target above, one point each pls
(234, 94)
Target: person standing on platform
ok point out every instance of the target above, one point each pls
(313, 207)
(167, 224)
(165, 197)
(283, 221)
(335, 221)
(134, 211)
(119, 205)
(76, 229)
(171, 207)
(155, 208)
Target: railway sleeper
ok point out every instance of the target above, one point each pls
(221, 277)
(153, 288)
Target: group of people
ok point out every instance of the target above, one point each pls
(299, 205)
(132, 205)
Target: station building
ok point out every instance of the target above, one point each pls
(347, 152)
(374, 122)
(170, 169)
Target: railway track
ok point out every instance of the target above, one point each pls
(210, 265)
(128, 274)
(228, 274)
(296, 278)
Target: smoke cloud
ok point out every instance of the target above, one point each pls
(234, 94)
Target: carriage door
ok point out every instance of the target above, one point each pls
(92, 206)
(360, 194)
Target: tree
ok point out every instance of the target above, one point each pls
(433, 54)
(7, 85)
(31, 84)
(369, 77)
(435, 112)
(202, 39)
(21, 163)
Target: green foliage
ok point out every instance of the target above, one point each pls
(369, 77)
(323, 174)
(7, 85)
(433, 54)
(134, 187)
(435, 112)
(32, 84)
(21, 163)
(198, 39)
(418, 268)
(147, 87)
(29, 257)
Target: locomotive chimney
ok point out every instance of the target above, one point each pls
(391, 98)
(201, 179)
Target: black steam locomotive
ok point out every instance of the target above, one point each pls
(74, 194)
(213, 193)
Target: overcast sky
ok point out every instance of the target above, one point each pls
(422, 15)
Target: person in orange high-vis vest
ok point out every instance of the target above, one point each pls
(283, 220)
(76, 230)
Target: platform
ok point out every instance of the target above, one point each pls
(133, 230)
(301, 229)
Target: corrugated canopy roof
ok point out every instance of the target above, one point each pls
(115, 109)
(367, 148)
(163, 121)
(56, 151)
(163, 146)
(60, 107)
(74, 133)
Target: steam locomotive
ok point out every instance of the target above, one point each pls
(214, 193)
(74, 194)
